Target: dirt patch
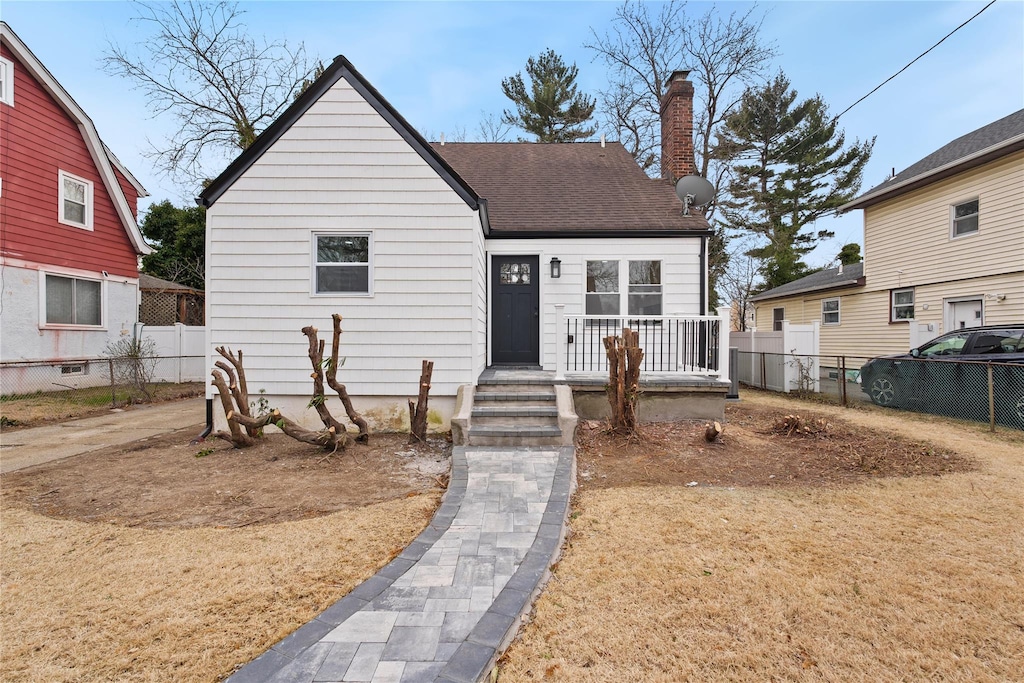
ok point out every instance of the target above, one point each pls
(166, 481)
(756, 450)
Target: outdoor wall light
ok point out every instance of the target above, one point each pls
(556, 268)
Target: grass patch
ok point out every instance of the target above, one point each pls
(28, 410)
(912, 578)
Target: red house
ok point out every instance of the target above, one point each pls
(69, 240)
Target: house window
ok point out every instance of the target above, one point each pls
(778, 315)
(644, 288)
(6, 82)
(75, 197)
(965, 218)
(830, 311)
(603, 288)
(341, 263)
(901, 304)
(73, 301)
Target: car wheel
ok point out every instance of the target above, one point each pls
(883, 392)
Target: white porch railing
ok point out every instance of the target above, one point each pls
(672, 344)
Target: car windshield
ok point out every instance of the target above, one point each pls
(998, 341)
(945, 346)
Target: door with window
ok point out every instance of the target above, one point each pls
(965, 314)
(515, 299)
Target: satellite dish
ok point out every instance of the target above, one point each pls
(694, 191)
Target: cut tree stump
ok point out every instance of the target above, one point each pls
(418, 411)
(712, 431)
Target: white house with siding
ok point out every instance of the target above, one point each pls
(471, 255)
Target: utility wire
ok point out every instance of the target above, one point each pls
(835, 118)
(877, 87)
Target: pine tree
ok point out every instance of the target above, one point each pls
(551, 108)
(791, 167)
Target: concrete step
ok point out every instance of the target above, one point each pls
(511, 434)
(516, 409)
(513, 395)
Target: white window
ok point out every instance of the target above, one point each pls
(6, 82)
(901, 304)
(603, 288)
(75, 197)
(73, 301)
(341, 263)
(778, 316)
(630, 286)
(644, 288)
(965, 218)
(830, 311)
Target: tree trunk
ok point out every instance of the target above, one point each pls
(319, 402)
(418, 412)
(238, 386)
(712, 431)
(327, 438)
(332, 381)
(624, 359)
(236, 436)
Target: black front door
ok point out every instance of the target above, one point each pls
(516, 299)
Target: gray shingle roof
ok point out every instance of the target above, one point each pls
(997, 139)
(830, 278)
(579, 187)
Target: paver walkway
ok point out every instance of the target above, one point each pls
(446, 607)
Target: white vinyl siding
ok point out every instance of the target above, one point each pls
(680, 275)
(341, 169)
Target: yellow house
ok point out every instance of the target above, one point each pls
(943, 249)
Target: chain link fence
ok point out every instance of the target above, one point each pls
(37, 391)
(990, 392)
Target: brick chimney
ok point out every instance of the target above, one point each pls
(677, 127)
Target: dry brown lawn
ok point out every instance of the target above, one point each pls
(100, 602)
(897, 578)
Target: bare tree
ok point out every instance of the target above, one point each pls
(642, 49)
(196, 63)
(739, 282)
(492, 128)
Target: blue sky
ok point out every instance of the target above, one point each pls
(441, 65)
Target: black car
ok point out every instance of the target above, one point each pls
(950, 375)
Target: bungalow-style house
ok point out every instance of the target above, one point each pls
(473, 255)
(70, 242)
(943, 249)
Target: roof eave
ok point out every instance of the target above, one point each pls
(339, 68)
(766, 296)
(578, 234)
(965, 163)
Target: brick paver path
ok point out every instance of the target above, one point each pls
(446, 607)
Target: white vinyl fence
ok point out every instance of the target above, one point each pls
(182, 352)
(780, 361)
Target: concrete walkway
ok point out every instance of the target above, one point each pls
(21, 448)
(446, 608)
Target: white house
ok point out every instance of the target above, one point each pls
(471, 255)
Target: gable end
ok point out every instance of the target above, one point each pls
(340, 68)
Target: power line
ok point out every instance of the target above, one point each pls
(877, 87)
(835, 118)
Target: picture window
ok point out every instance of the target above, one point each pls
(73, 301)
